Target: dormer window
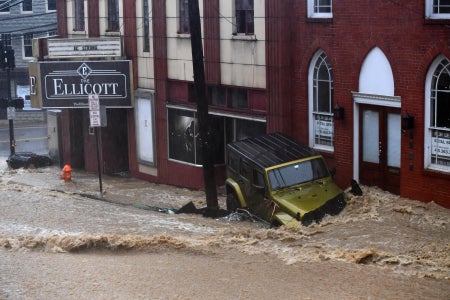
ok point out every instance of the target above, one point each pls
(320, 8)
(437, 9)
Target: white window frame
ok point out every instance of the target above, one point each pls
(5, 2)
(179, 20)
(312, 14)
(6, 38)
(76, 16)
(27, 45)
(46, 7)
(427, 126)
(26, 11)
(119, 25)
(311, 112)
(429, 11)
(235, 17)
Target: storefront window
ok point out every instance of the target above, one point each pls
(242, 129)
(184, 142)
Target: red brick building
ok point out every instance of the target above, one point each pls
(385, 59)
(339, 76)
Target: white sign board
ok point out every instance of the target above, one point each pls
(97, 112)
(92, 47)
(324, 128)
(440, 146)
(11, 113)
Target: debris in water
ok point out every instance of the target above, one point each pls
(190, 208)
(27, 160)
(356, 190)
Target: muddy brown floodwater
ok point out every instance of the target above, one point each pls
(56, 242)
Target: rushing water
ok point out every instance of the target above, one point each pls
(40, 214)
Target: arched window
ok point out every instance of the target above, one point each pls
(321, 128)
(437, 116)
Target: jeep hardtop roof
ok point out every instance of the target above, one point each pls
(271, 149)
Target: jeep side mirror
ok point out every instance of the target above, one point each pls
(333, 171)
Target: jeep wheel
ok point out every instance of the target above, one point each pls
(275, 223)
(232, 202)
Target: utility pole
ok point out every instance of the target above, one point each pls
(202, 107)
(12, 142)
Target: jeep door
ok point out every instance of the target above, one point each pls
(253, 187)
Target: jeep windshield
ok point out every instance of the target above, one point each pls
(297, 173)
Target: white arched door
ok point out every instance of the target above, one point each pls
(378, 125)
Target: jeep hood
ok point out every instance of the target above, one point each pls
(308, 202)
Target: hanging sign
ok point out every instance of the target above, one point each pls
(67, 84)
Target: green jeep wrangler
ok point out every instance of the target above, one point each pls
(280, 180)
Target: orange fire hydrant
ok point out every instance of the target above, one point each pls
(66, 173)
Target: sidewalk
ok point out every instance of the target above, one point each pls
(116, 189)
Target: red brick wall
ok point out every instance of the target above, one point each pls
(94, 18)
(61, 18)
(211, 28)
(130, 39)
(160, 61)
(409, 42)
(278, 64)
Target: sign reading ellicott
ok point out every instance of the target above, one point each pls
(68, 84)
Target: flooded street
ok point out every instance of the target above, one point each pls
(61, 241)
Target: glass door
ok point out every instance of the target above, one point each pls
(380, 147)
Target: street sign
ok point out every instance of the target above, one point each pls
(97, 112)
(11, 112)
(97, 116)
